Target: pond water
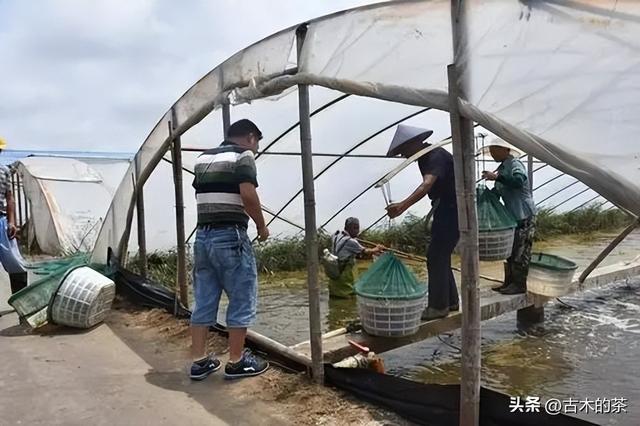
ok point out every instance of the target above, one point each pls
(588, 346)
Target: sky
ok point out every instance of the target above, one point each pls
(96, 75)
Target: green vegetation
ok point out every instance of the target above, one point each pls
(410, 235)
(584, 222)
(285, 254)
(162, 267)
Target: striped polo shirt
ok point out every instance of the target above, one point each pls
(218, 175)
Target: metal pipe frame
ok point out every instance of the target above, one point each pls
(296, 125)
(557, 192)
(265, 208)
(354, 199)
(570, 198)
(549, 181)
(585, 203)
(349, 151)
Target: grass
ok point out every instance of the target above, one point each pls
(584, 222)
(411, 235)
(162, 267)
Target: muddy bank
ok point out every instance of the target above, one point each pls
(163, 342)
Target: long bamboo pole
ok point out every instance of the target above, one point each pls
(311, 233)
(142, 230)
(608, 249)
(463, 152)
(176, 159)
(418, 258)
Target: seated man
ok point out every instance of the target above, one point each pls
(345, 246)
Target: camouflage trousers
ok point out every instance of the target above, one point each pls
(520, 257)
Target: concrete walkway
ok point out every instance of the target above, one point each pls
(94, 377)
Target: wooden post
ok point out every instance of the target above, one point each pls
(528, 316)
(226, 119)
(176, 159)
(464, 163)
(607, 250)
(533, 314)
(14, 187)
(18, 196)
(530, 172)
(27, 209)
(311, 233)
(142, 233)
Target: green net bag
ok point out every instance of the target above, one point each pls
(388, 278)
(495, 226)
(492, 214)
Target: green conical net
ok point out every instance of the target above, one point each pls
(492, 214)
(388, 278)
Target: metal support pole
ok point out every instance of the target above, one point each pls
(464, 164)
(629, 229)
(226, 119)
(311, 233)
(142, 232)
(176, 158)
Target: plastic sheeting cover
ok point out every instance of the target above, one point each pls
(64, 222)
(556, 79)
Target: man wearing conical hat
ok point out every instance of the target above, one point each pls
(12, 261)
(436, 168)
(512, 185)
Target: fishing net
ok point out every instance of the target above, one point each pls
(492, 214)
(389, 278)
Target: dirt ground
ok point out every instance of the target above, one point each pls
(163, 341)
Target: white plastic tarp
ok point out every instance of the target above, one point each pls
(68, 199)
(556, 79)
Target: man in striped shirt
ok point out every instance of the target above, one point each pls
(225, 183)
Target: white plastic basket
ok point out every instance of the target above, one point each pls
(83, 299)
(390, 317)
(495, 245)
(550, 280)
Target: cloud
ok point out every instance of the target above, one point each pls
(97, 75)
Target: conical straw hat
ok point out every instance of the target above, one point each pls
(406, 134)
(498, 142)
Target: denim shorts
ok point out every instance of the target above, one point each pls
(224, 260)
(10, 257)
